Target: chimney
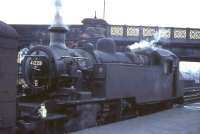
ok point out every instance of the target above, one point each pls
(58, 29)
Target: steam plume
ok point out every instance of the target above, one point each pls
(58, 18)
(161, 34)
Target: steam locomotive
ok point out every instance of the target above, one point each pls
(69, 89)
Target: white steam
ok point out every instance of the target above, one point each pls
(140, 45)
(21, 55)
(58, 5)
(58, 17)
(161, 34)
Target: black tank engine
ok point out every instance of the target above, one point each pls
(86, 86)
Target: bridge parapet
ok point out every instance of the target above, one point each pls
(170, 36)
(137, 33)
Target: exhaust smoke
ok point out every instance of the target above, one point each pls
(58, 29)
(161, 34)
(58, 19)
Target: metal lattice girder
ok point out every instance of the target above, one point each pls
(164, 33)
(194, 34)
(144, 32)
(149, 31)
(116, 31)
(133, 31)
(179, 33)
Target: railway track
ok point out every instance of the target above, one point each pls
(191, 94)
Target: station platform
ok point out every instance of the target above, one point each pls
(179, 120)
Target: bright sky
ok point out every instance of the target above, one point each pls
(189, 66)
(176, 13)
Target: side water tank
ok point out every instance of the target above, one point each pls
(8, 77)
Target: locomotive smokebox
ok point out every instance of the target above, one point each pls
(8, 78)
(58, 29)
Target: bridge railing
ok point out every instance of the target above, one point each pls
(137, 33)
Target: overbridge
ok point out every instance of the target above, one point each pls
(184, 42)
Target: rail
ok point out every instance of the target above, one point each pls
(191, 94)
